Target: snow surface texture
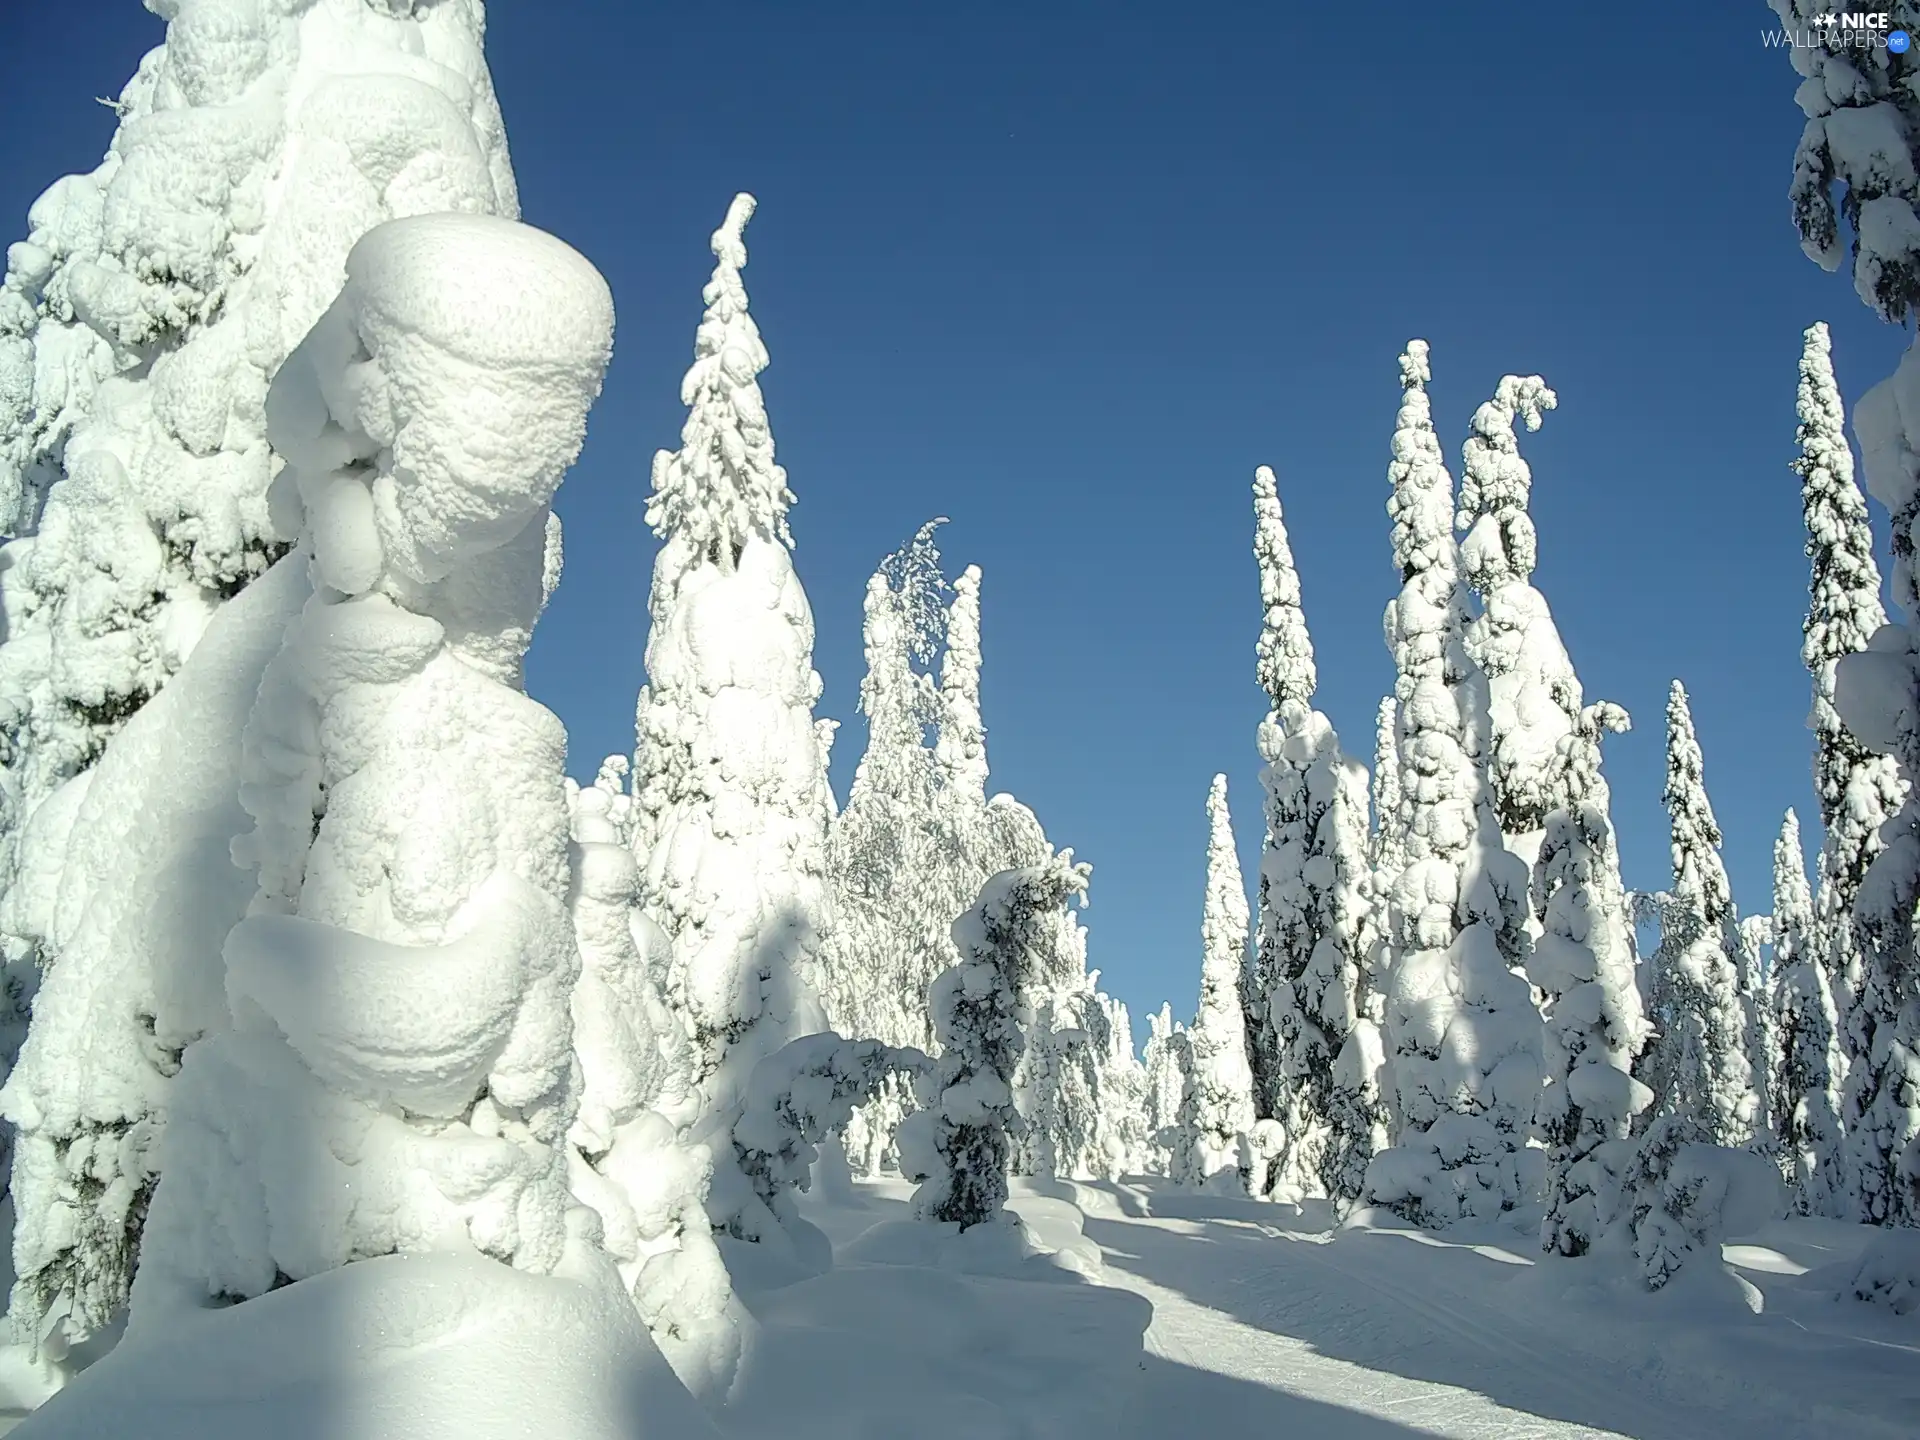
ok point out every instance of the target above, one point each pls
(399, 1076)
(140, 323)
(729, 781)
(1463, 1036)
(958, 1145)
(1318, 1042)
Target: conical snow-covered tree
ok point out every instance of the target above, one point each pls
(400, 1075)
(1222, 1081)
(730, 787)
(1167, 1058)
(1805, 1092)
(1583, 961)
(1463, 1036)
(140, 325)
(1698, 1066)
(1320, 1038)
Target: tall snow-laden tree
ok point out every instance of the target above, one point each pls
(1583, 962)
(1319, 1040)
(1533, 695)
(957, 1147)
(399, 1074)
(1857, 789)
(730, 786)
(140, 325)
(1699, 1065)
(1463, 1036)
(1805, 1089)
(1166, 1060)
(1222, 1080)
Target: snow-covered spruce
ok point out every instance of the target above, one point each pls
(1533, 695)
(140, 322)
(1320, 1040)
(151, 304)
(1222, 1084)
(1684, 1195)
(729, 783)
(1463, 1036)
(957, 1145)
(1805, 1089)
(1698, 1065)
(400, 1073)
(1166, 1060)
(891, 852)
(1875, 692)
(1583, 962)
(1859, 142)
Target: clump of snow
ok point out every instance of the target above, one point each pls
(399, 1075)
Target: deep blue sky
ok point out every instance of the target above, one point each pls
(1067, 272)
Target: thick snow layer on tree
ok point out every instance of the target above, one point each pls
(1222, 1083)
(400, 1075)
(136, 914)
(730, 787)
(1463, 1036)
(425, 1347)
(153, 301)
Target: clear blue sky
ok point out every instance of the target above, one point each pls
(1067, 272)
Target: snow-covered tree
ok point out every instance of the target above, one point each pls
(1463, 1036)
(400, 1074)
(730, 788)
(1859, 143)
(1222, 1083)
(1699, 1066)
(957, 1146)
(1166, 1060)
(140, 324)
(1533, 695)
(1583, 963)
(1319, 1040)
(1805, 1089)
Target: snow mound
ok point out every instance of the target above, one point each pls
(397, 1348)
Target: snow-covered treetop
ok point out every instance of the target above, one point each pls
(1844, 607)
(722, 485)
(1792, 899)
(1283, 656)
(913, 575)
(1223, 925)
(962, 745)
(1697, 868)
(1422, 501)
(1862, 117)
(1496, 484)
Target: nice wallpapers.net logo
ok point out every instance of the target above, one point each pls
(1842, 30)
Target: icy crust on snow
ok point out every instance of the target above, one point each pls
(417, 1347)
(155, 298)
(399, 1075)
(129, 899)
